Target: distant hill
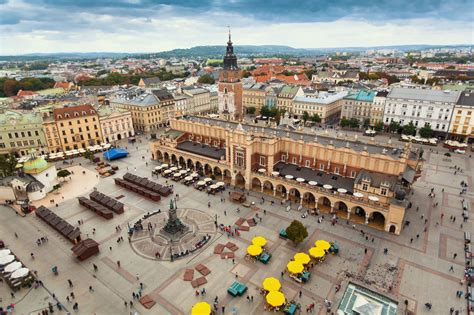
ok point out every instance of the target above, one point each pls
(219, 50)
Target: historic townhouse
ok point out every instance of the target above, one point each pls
(358, 182)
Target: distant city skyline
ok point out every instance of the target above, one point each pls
(48, 26)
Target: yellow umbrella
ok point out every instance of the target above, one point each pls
(254, 250)
(259, 241)
(302, 258)
(275, 298)
(271, 284)
(295, 267)
(316, 252)
(324, 245)
(201, 308)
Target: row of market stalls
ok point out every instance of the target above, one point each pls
(71, 153)
(13, 272)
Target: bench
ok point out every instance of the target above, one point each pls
(237, 288)
(265, 257)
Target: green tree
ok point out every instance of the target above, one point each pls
(394, 126)
(8, 164)
(305, 116)
(296, 232)
(426, 131)
(409, 129)
(88, 155)
(63, 174)
(265, 111)
(344, 122)
(251, 110)
(316, 118)
(366, 123)
(379, 126)
(246, 74)
(354, 123)
(206, 79)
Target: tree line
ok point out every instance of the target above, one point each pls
(121, 79)
(10, 87)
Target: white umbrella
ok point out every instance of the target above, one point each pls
(289, 176)
(6, 259)
(90, 148)
(107, 145)
(60, 154)
(81, 150)
(20, 273)
(164, 165)
(220, 184)
(195, 175)
(208, 179)
(300, 180)
(200, 183)
(176, 174)
(261, 170)
(373, 198)
(174, 168)
(183, 172)
(313, 183)
(188, 178)
(327, 186)
(275, 173)
(358, 195)
(13, 266)
(157, 168)
(342, 190)
(4, 252)
(168, 171)
(213, 186)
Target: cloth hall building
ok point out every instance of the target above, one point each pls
(358, 182)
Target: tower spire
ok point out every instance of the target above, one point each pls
(230, 41)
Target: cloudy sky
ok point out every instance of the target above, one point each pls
(28, 26)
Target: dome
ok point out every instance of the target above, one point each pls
(35, 166)
(34, 186)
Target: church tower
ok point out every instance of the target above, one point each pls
(230, 86)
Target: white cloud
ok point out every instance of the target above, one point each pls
(88, 32)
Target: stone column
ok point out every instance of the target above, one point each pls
(332, 209)
(348, 214)
(261, 188)
(367, 216)
(274, 192)
(301, 201)
(222, 176)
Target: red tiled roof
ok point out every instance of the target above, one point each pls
(73, 111)
(302, 79)
(25, 93)
(64, 85)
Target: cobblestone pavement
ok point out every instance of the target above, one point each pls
(417, 271)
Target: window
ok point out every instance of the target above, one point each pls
(321, 167)
(239, 158)
(283, 158)
(365, 187)
(383, 191)
(336, 170)
(12, 144)
(29, 133)
(308, 163)
(10, 135)
(294, 160)
(36, 133)
(353, 174)
(262, 161)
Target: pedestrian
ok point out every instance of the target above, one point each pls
(118, 263)
(72, 295)
(70, 283)
(417, 236)
(131, 304)
(455, 255)
(95, 267)
(251, 298)
(110, 247)
(91, 289)
(300, 294)
(67, 299)
(125, 303)
(451, 268)
(365, 250)
(411, 240)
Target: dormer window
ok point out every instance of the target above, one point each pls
(76, 114)
(383, 191)
(84, 113)
(66, 115)
(365, 187)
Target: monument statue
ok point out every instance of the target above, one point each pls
(174, 226)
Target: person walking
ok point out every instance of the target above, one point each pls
(70, 283)
(451, 268)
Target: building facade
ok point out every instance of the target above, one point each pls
(358, 105)
(327, 106)
(253, 95)
(461, 127)
(72, 127)
(421, 107)
(116, 124)
(230, 86)
(286, 95)
(150, 109)
(20, 132)
(364, 184)
(378, 108)
(200, 100)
